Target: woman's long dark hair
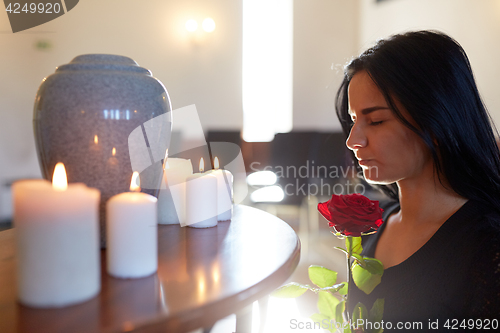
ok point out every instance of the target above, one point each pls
(429, 73)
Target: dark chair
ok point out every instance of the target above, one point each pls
(308, 163)
(224, 136)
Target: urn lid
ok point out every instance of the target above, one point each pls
(106, 62)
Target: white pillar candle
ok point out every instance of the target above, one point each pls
(57, 240)
(131, 232)
(201, 199)
(172, 198)
(224, 192)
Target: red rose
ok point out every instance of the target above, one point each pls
(352, 214)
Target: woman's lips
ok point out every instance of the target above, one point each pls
(365, 162)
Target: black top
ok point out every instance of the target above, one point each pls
(455, 275)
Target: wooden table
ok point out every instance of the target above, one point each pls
(203, 275)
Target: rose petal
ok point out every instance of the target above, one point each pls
(323, 209)
(352, 214)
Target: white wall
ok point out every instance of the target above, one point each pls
(475, 24)
(325, 38)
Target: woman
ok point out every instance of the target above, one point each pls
(418, 128)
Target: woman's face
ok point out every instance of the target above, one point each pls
(387, 150)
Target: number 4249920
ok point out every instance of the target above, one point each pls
(32, 8)
(471, 324)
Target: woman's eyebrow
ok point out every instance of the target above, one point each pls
(370, 110)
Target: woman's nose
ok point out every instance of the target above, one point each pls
(356, 139)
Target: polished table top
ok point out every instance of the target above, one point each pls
(203, 275)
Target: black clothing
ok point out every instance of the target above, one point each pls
(455, 275)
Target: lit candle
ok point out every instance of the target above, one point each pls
(112, 163)
(224, 192)
(131, 233)
(94, 145)
(172, 199)
(57, 240)
(201, 199)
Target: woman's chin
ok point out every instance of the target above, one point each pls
(373, 181)
(378, 180)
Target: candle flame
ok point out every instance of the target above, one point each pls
(202, 165)
(135, 184)
(59, 179)
(216, 163)
(96, 139)
(113, 152)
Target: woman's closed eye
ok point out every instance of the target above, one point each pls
(375, 123)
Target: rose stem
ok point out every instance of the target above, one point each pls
(349, 252)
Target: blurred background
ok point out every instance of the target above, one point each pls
(262, 74)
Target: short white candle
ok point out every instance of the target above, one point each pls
(224, 192)
(201, 199)
(57, 240)
(172, 198)
(131, 232)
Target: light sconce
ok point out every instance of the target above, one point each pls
(208, 25)
(191, 25)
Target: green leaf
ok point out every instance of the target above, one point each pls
(367, 278)
(355, 242)
(339, 310)
(290, 290)
(359, 259)
(341, 288)
(360, 312)
(376, 314)
(341, 249)
(327, 303)
(321, 276)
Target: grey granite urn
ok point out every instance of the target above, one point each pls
(104, 117)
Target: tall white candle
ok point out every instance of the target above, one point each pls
(131, 232)
(224, 192)
(172, 198)
(201, 199)
(57, 240)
